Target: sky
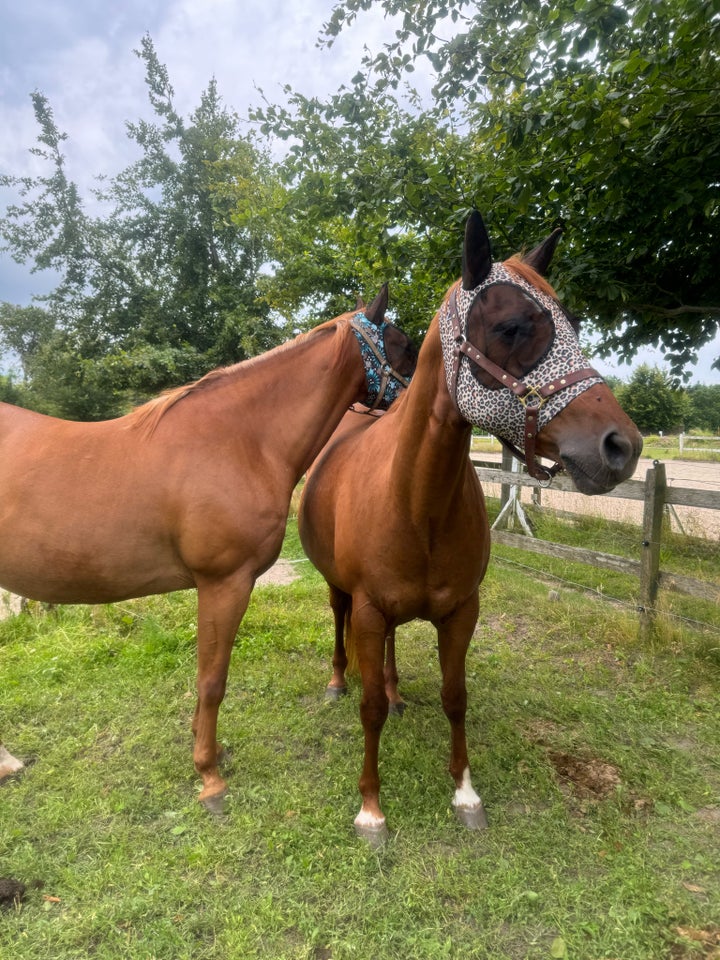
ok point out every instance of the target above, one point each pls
(79, 54)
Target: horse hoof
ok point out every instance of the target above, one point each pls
(397, 709)
(215, 804)
(10, 766)
(375, 835)
(474, 818)
(335, 693)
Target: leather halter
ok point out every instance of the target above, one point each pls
(531, 397)
(386, 371)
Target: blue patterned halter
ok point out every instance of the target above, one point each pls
(384, 383)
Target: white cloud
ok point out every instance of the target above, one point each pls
(80, 55)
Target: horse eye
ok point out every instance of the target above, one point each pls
(509, 331)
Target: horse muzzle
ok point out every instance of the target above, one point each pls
(597, 469)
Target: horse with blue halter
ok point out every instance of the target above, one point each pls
(392, 513)
(190, 490)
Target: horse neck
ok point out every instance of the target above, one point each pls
(281, 407)
(313, 380)
(431, 456)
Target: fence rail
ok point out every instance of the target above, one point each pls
(685, 439)
(655, 494)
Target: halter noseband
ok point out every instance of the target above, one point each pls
(384, 381)
(531, 397)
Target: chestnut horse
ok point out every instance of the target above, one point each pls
(190, 490)
(392, 513)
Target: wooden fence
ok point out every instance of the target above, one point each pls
(656, 495)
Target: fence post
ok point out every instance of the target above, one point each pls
(505, 488)
(655, 487)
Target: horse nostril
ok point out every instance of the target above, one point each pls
(617, 450)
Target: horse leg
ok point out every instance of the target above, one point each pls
(9, 764)
(340, 603)
(397, 704)
(221, 607)
(453, 641)
(368, 633)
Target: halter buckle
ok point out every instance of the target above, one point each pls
(534, 395)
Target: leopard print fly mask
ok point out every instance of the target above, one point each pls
(559, 376)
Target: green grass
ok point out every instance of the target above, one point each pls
(668, 448)
(695, 557)
(121, 862)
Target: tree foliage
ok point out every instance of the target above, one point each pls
(653, 402)
(366, 183)
(161, 283)
(9, 390)
(704, 407)
(598, 115)
(595, 115)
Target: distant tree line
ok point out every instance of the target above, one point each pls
(600, 117)
(658, 405)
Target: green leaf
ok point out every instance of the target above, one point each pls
(558, 949)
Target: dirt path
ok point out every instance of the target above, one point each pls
(281, 572)
(695, 521)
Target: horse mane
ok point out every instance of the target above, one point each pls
(518, 266)
(148, 415)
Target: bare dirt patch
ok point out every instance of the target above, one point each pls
(11, 892)
(705, 938)
(587, 778)
(281, 573)
(583, 778)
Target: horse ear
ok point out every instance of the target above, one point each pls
(539, 258)
(376, 311)
(360, 305)
(477, 259)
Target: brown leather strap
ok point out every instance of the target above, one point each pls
(567, 380)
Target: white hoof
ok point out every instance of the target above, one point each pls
(468, 806)
(9, 764)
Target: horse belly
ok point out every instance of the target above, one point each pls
(61, 544)
(89, 571)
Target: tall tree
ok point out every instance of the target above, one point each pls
(705, 407)
(653, 402)
(366, 182)
(162, 283)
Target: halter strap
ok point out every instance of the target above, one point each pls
(532, 398)
(386, 369)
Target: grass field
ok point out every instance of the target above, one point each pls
(598, 760)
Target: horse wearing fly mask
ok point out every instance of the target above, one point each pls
(392, 513)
